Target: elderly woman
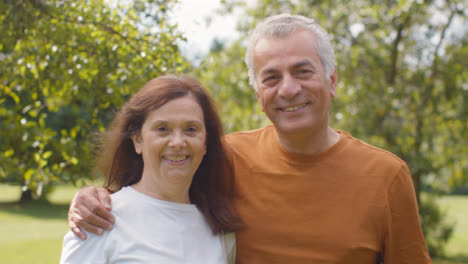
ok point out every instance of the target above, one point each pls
(164, 157)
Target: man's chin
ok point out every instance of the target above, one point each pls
(300, 126)
(294, 128)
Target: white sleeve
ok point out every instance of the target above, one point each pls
(229, 241)
(77, 251)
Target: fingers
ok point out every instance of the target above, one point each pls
(104, 198)
(87, 221)
(98, 216)
(87, 212)
(76, 230)
(104, 212)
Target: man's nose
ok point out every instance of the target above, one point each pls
(289, 87)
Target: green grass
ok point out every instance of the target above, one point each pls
(32, 233)
(457, 209)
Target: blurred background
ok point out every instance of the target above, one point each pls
(67, 66)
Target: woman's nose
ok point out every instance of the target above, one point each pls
(177, 140)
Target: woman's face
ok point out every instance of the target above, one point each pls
(172, 141)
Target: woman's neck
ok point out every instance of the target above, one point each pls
(177, 192)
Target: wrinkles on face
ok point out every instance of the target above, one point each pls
(172, 142)
(294, 91)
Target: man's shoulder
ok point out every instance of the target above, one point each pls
(371, 153)
(247, 137)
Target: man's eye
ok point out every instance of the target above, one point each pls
(304, 72)
(270, 79)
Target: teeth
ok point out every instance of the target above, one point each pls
(294, 108)
(175, 158)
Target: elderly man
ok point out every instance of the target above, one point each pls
(307, 193)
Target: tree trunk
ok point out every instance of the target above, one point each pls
(26, 196)
(417, 185)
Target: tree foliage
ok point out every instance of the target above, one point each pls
(402, 82)
(65, 67)
(224, 73)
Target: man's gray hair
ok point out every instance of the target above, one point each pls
(281, 26)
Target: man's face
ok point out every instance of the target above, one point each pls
(293, 89)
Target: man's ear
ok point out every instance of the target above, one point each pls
(333, 83)
(136, 138)
(258, 94)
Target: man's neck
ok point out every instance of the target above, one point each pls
(311, 142)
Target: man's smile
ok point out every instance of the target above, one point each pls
(293, 108)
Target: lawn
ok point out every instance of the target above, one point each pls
(457, 210)
(32, 233)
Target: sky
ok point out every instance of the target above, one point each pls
(193, 19)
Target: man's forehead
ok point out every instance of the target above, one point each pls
(293, 65)
(264, 41)
(294, 47)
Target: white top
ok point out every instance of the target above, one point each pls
(148, 230)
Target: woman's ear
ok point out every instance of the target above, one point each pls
(136, 138)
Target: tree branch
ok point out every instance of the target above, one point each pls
(442, 38)
(395, 53)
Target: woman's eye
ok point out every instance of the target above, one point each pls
(192, 129)
(161, 129)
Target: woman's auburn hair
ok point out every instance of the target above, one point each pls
(212, 188)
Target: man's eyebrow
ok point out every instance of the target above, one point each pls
(300, 64)
(304, 63)
(268, 71)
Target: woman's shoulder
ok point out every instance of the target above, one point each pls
(123, 199)
(92, 250)
(123, 193)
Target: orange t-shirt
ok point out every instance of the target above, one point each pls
(352, 203)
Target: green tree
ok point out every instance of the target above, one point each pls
(402, 83)
(65, 67)
(223, 73)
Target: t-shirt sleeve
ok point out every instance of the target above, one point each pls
(77, 251)
(229, 240)
(404, 240)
